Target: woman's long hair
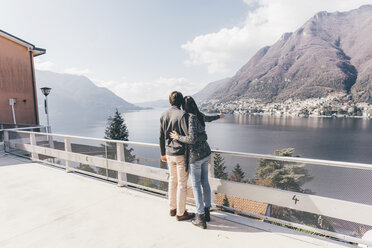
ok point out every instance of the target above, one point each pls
(189, 105)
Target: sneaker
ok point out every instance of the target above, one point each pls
(173, 212)
(185, 216)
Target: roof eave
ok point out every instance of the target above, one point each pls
(35, 50)
(38, 51)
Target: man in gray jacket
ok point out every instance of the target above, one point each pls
(173, 152)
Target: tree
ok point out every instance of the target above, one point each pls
(288, 176)
(116, 129)
(147, 182)
(219, 167)
(281, 174)
(225, 201)
(237, 174)
(304, 112)
(86, 167)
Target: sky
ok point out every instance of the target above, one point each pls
(142, 50)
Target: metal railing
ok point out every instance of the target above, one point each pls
(113, 160)
(3, 127)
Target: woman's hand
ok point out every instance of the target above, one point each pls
(222, 116)
(174, 135)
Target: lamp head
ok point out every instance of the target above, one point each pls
(45, 90)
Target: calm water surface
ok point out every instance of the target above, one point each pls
(342, 139)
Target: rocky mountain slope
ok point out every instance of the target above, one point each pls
(330, 53)
(209, 90)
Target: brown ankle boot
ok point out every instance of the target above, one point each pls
(173, 212)
(185, 216)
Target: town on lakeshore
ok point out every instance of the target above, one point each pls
(334, 105)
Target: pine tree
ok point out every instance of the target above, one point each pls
(86, 167)
(225, 201)
(116, 129)
(237, 174)
(288, 176)
(281, 174)
(147, 182)
(219, 167)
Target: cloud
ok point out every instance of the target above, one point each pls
(44, 65)
(223, 52)
(47, 65)
(149, 91)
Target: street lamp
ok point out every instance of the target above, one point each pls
(46, 91)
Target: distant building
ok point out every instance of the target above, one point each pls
(17, 80)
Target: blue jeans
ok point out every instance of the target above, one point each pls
(199, 178)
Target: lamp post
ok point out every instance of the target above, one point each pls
(46, 91)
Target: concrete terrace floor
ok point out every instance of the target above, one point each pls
(42, 206)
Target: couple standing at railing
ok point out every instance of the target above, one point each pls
(183, 145)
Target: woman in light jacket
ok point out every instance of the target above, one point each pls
(197, 155)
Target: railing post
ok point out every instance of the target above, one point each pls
(211, 175)
(6, 141)
(51, 142)
(68, 149)
(122, 177)
(34, 156)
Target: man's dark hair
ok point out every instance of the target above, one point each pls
(176, 98)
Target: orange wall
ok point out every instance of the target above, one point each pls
(16, 82)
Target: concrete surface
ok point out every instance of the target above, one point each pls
(42, 206)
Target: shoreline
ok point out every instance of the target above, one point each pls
(301, 116)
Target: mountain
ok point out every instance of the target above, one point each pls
(199, 97)
(209, 90)
(76, 100)
(330, 53)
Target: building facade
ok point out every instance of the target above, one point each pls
(17, 81)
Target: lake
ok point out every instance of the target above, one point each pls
(341, 139)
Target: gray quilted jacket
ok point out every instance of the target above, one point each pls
(197, 148)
